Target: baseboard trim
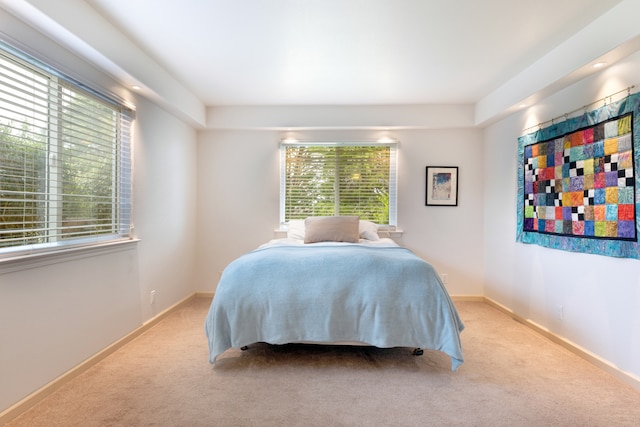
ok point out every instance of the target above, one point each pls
(204, 294)
(46, 390)
(472, 298)
(597, 361)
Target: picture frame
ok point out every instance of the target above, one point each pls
(442, 186)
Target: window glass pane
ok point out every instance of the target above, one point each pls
(23, 154)
(364, 182)
(88, 159)
(320, 180)
(311, 175)
(65, 168)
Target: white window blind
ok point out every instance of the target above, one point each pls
(323, 179)
(65, 162)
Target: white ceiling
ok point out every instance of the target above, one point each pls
(347, 52)
(282, 64)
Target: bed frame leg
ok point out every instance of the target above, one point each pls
(418, 352)
(244, 348)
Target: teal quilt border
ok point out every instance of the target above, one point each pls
(600, 246)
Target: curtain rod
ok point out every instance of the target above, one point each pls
(584, 107)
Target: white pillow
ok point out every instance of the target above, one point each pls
(368, 230)
(296, 229)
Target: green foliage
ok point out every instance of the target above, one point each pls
(74, 194)
(88, 170)
(337, 180)
(22, 204)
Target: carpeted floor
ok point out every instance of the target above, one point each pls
(511, 377)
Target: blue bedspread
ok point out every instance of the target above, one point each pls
(383, 296)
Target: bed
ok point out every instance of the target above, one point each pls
(362, 290)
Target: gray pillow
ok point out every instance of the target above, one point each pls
(332, 229)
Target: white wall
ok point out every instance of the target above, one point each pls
(164, 206)
(599, 295)
(238, 198)
(55, 316)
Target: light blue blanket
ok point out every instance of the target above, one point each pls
(382, 296)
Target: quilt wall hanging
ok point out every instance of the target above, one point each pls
(578, 184)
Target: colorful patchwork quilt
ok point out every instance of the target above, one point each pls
(578, 184)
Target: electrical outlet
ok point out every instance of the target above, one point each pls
(444, 277)
(152, 298)
(560, 312)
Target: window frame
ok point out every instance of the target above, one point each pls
(393, 174)
(121, 229)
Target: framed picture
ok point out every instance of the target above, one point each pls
(442, 186)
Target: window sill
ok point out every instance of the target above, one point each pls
(26, 262)
(392, 234)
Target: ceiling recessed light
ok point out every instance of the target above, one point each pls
(599, 64)
(385, 140)
(136, 87)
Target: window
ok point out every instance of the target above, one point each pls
(65, 166)
(323, 179)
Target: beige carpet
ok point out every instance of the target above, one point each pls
(511, 377)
